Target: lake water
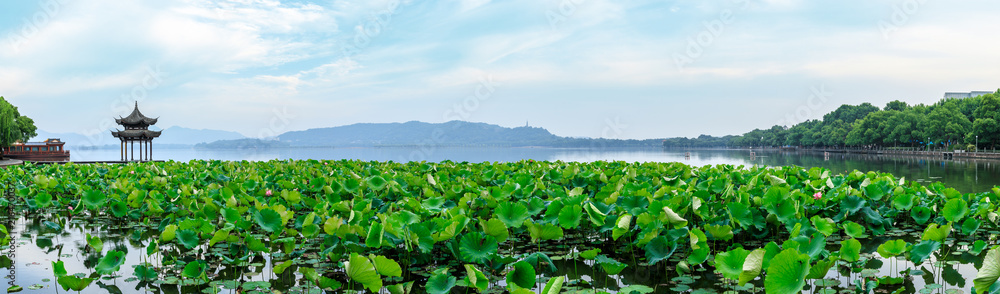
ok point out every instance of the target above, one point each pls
(966, 175)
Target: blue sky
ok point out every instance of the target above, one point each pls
(586, 68)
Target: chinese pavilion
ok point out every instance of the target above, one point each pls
(136, 130)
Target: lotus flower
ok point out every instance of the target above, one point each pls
(817, 196)
(269, 193)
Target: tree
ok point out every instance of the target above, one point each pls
(14, 126)
(896, 105)
(987, 130)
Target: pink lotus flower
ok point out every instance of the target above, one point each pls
(131, 172)
(269, 193)
(817, 196)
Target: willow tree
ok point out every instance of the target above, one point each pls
(14, 126)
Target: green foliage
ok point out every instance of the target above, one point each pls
(787, 273)
(989, 272)
(522, 275)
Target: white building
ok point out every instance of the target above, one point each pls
(966, 94)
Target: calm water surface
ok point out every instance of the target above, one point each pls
(966, 175)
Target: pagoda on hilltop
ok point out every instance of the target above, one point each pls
(136, 130)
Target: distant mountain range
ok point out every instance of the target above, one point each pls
(453, 133)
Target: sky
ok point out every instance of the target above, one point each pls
(582, 68)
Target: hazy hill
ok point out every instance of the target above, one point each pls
(453, 133)
(186, 136)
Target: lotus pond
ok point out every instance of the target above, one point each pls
(520, 227)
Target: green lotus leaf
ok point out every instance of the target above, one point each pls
(989, 272)
(118, 209)
(955, 209)
(936, 233)
(977, 247)
(825, 226)
(522, 275)
(541, 232)
(361, 270)
(58, 268)
(188, 238)
(269, 220)
(970, 226)
(657, 250)
(875, 192)
(404, 288)
(376, 183)
(387, 267)
(43, 200)
(352, 185)
(787, 273)
(741, 214)
(676, 220)
(476, 247)
(921, 214)
(921, 251)
(93, 199)
(497, 229)
(854, 229)
(110, 263)
(821, 268)
(74, 283)
(752, 266)
(281, 267)
(634, 205)
(570, 216)
(375, 234)
(730, 263)
(145, 273)
(535, 206)
(610, 266)
(850, 250)
(720, 232)
(592, 253)
(476, 278)
(95, 243)
(512, 214)
(851, 204)
(892, 248)
(332, 285)
(195, 269)
(903, 201)
(555, 285)
(595, 215)
(440, 282)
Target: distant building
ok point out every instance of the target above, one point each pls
(966, 94)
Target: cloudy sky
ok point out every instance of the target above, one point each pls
(588, 68)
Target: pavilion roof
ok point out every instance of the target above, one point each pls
(136, 118)
(135, 134)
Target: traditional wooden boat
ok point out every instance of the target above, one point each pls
(49, 150)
